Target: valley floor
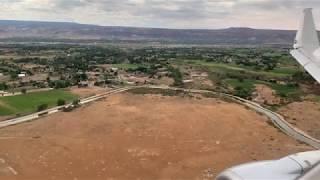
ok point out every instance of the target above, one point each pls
(130, 136)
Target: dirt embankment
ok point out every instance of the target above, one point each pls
(304, 115)
(265, 95)
(142, 137)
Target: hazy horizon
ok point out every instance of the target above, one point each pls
(173, 14)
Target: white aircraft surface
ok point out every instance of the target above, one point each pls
(301, 166)
(306, 46)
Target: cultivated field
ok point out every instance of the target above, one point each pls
(29, 102)
(131, 136)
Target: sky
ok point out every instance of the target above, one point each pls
(180, 14)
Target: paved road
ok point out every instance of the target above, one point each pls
(277, 119)
(37, 115)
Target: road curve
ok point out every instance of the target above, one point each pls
(276, 118)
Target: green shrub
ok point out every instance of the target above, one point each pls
(24, 91)
(76, 103)
(177, 76)
(42, 107)
(61, 102)
(242, 92)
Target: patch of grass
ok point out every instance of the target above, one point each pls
(250, 84)
(5, 111)
(286, 91)
(245, 84)
(279, 72)
(28, 103)
(290, 92)
(286, 70)
(317, 98)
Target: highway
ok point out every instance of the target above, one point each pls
(277, 119)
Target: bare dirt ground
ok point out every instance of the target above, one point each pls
(305, 115)
(3, 118)
(88, 91)
(265, 95)
(163, 81)
(141, 137)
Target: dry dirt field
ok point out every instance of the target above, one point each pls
(88, 91)
(141, 137)
(305, 115)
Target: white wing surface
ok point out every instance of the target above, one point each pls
(306, 47)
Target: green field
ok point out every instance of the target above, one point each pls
(250, 85)
(28, 103)
(278, 72)
(245, 84)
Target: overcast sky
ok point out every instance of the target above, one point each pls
(209, 14)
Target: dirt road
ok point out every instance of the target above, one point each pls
(142, 137)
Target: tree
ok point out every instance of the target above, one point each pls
(13, 75)
(242, 92)
(59, 84)
(3, 86)
(176, 75)
(24, 91)
(61, 102)
(302, 77)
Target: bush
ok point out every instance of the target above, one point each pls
(177, 76)
(61, 102)
(59, 84)
(76, 103)
(3, 86)
(242, 92)
(42, 107)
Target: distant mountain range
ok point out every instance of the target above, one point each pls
(58, 31)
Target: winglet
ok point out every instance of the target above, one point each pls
(306, 47)
(307, 36)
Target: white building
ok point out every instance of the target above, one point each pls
(21, 75)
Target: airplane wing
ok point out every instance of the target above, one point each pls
(306, 47)
(302, 166)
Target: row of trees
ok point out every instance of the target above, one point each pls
(60, 102)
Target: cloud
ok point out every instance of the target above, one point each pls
(163, 13)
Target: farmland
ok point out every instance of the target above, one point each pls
(148, 134)
(26, 103)
(231, 70)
